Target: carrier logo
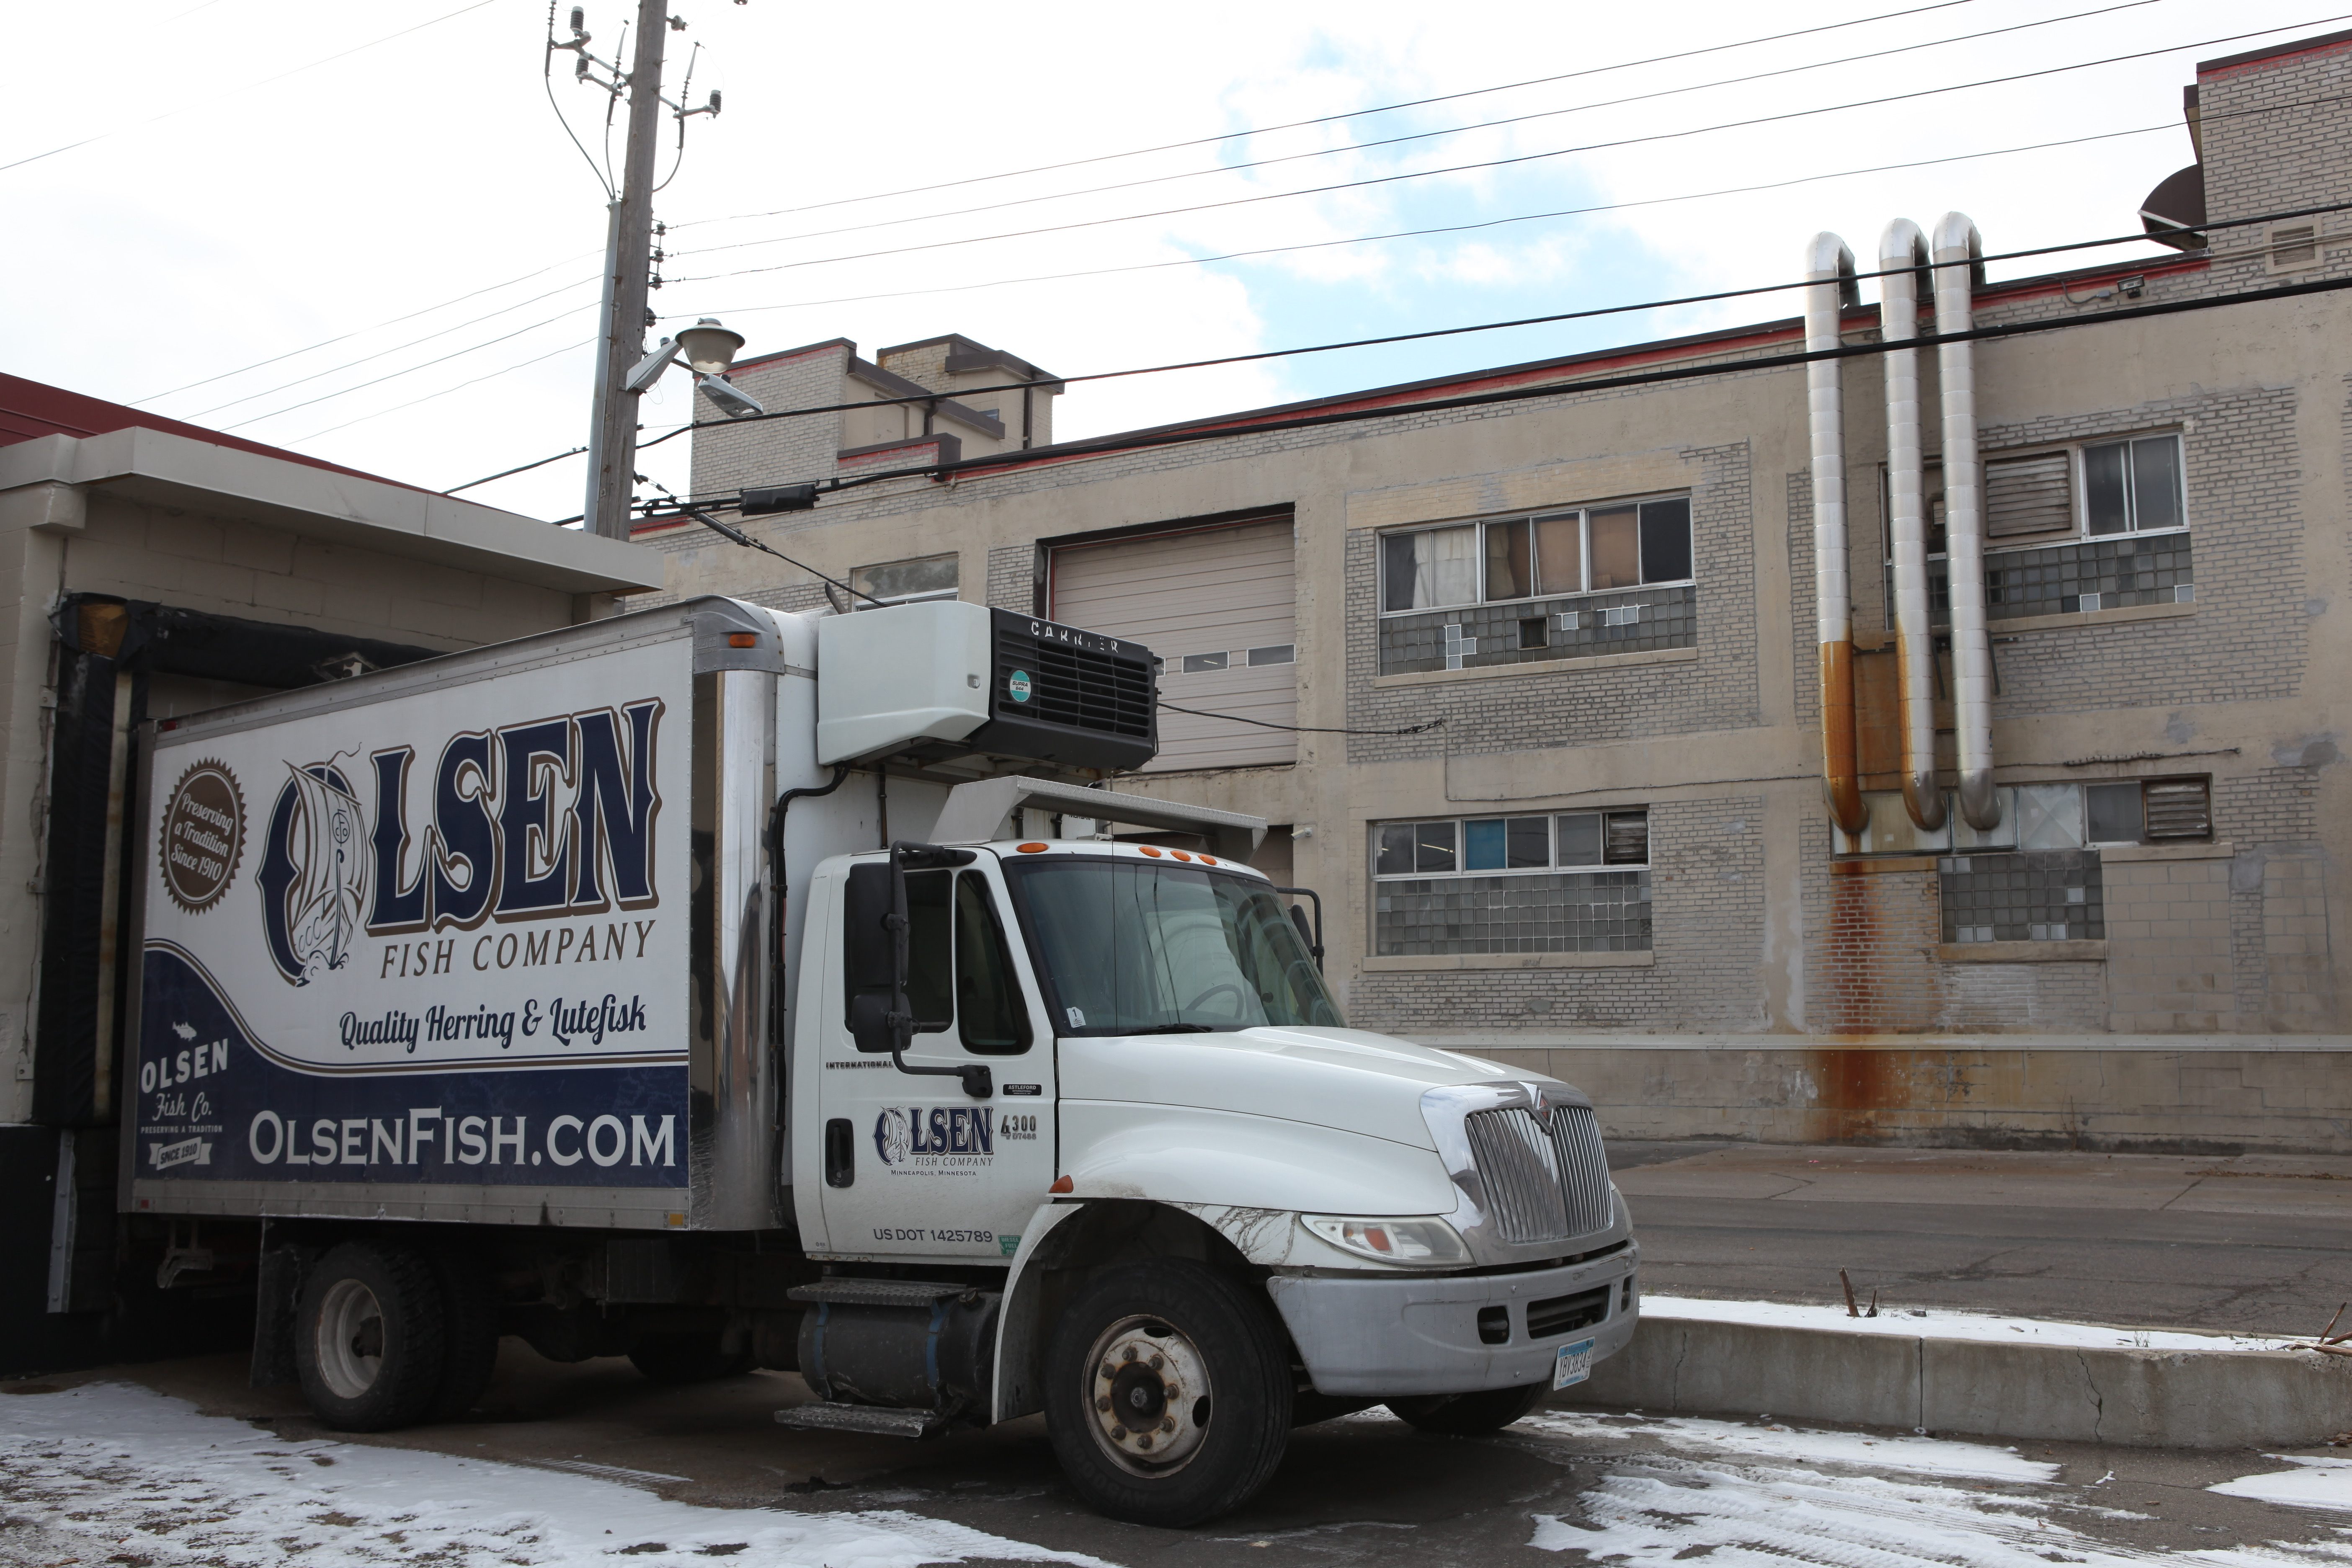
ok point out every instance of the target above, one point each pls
(534, 821)
(203, 836)
(921, 1135)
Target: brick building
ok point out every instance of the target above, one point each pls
(1554, 661)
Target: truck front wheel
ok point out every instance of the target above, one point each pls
(1469, 1415)
(1168, 1392)
(368, 1344)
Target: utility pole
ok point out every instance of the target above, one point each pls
(628, 247)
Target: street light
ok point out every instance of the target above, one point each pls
(708, 348)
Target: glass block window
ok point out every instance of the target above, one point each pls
(1576, 912)
(2047, 895)
(1559, 882)
(2062, 530)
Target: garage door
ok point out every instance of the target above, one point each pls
(1219, 606)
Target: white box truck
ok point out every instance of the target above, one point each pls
(703, 986)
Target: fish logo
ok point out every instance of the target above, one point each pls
(314, 873)
(893, 1137)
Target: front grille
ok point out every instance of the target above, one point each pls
(1081, 687)
(1566, 1314)
(1542, 1185)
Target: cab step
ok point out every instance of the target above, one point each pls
(877, 1292)
(872, 1420)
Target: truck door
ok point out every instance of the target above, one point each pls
(915, 1166)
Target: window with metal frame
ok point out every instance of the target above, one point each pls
(907, 582)
(1582, 549)
(1479, 845)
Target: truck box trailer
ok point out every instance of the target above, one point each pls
(723, 987)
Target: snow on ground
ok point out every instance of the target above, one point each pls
(2313, 1483)
(1806, 1496)
(1941, 1324)
(124, 1474)
(1929, 1456)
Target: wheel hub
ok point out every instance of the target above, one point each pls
(351, 1339)
(1148, 1387)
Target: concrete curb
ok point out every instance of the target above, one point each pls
(2137, 1398)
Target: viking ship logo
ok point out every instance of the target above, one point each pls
(314, 873)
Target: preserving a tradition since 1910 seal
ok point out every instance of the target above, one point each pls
(203, 836)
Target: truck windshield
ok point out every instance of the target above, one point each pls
(1135, 948)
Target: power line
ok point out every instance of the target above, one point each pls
(1106, 157)
(1466, 227)
(1303, 728)
(359, 332)
(248, 87)
(1444, 228)
(380, 354)
(396, 376)
(687, 509)
(1713, 297)
(1327, 119)
(475, 381)
(1425, 135)
(517, 468)
(1502, 162)
(1209, 431)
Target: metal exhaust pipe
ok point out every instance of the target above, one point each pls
(1829, 274)
(1959, 251)
(1901, 256)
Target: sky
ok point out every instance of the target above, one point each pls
(366, 234)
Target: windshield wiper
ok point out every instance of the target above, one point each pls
(1176, 1029)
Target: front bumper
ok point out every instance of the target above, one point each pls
(1396, 1334)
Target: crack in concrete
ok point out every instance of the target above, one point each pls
(2098, 1400)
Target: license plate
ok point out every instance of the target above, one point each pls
(1572, 1365)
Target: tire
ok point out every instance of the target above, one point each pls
(1469, 1415)
(469, 1332)
(368, 1340)
(1218, 1435)
(680, 1359)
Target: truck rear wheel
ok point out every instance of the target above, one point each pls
(1168, 1392)
(368, 1345)
(1469, 1415)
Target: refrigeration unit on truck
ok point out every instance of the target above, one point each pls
(707, 986)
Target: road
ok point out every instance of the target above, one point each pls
(566, 1465)
(2254, 1244)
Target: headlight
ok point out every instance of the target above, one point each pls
(1427, 1242)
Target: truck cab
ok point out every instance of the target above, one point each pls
(1217, 1209)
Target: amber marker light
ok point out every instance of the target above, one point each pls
(1208, 860)
(742, 639)
(1062, 1184)
(1030, 848)
(1148, 849)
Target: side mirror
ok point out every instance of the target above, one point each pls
(1314, 937)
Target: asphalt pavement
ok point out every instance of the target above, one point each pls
(2255, 1244)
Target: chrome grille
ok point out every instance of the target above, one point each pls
(1542, 1185)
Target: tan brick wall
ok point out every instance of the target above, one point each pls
(2169, 967)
